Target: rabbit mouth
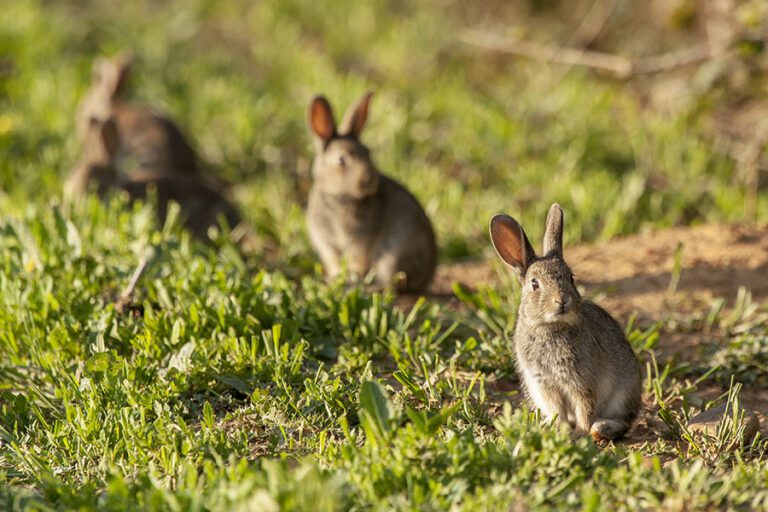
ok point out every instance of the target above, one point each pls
(366, 189)
(561, 316)
(368, 184)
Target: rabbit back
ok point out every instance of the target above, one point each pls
(150, 139)
(408, 237)
(619, 391)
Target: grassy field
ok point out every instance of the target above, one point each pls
(241, 382)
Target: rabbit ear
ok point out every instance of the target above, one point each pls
(111, 74)
(553, 233)
(356, 116)
(511, 244)
(321, 120)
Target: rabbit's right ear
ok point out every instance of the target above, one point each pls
(511, 244)
(356, 116)
(321, 120)
(553, 233)
(110, 75)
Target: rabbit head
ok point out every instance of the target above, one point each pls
(107, 83)
(96, 165)
(343, 165)
(549, 294)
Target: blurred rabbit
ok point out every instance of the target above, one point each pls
(359, 216)
(147, 138)
(201, 202)
(95, 169)
(572, 355)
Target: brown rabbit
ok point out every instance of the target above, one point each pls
(147, 138)
(202, 203)
(359, 216)
(573, 357)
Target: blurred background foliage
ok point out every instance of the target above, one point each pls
(472, 132)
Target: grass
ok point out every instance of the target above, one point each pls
(236, 382)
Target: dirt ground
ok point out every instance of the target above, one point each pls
(633, 275)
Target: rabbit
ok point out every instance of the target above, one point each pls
(573, 357)
(147, 138)
(202, 204)
(95, 169)
(360, 217)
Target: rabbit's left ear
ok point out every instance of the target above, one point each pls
(553, 233)
(511, 243)
(356, 117)
(320, 120)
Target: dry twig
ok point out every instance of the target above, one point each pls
(622, 67)
(124, 299)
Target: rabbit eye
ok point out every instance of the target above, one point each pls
(534, 284)
(342, 161)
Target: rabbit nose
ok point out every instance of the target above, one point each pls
(564, 302)
(365, 181)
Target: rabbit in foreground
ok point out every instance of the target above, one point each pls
(572, 355)
(146, 138)
(202, 204)
(359, 216)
